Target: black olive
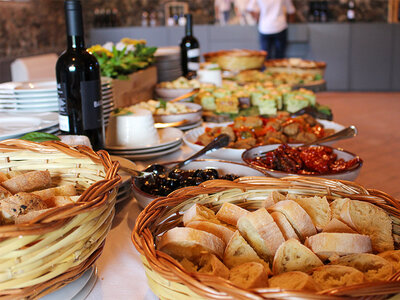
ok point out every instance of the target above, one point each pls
(230, 177)
(156, 168)
(176, 174)
(199, 173)
(197, 180)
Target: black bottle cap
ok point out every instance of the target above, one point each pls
(73, 17)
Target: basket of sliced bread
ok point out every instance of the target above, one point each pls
(57, 206)
(264, 238)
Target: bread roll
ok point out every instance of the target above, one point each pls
(336, 207)
(332, 276)
(273, 198)
(297, 216)
(392, 256)
(294, 280)
(223, 232)
(261, 232)
(293, 256)
(329, 245)
(231, 213)
(28, 182)
(316, 207)
(374, 267)
(198, 213)
(63, 190)
(238, 252)
(284, 225)
(338, 226)
(249, 276)
(20, 204)
(370, 220)
(182, 242)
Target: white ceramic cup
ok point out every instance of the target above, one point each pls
(132, 130)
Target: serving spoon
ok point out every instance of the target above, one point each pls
(219, 142)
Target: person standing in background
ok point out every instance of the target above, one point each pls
(222, 10)
(244, 16)
(272, 24)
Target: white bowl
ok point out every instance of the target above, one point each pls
(191, 117)
(224, 167)
(191, 137)
(349, 175)
(169, 94)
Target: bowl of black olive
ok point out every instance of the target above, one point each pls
(158, 183)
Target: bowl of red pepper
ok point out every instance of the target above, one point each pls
(293, 159)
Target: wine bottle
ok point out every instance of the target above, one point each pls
(190, 50)
(78, 83)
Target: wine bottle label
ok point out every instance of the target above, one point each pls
(193, 66)
(193, 53)
(63, 118)
(91, 104)
(63, 123)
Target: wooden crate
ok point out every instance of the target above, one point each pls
(138, 87)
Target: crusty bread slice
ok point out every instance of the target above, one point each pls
(371, 220)
(392, 256)
(188, 265)
(230, 213)
(249, 276)
(62, 190)
(297, 217)
(316, 207)
(293, 256)
(61, 200)
(261, 232)
(4, 193)
(336, 207)
(223, 232)
(338, 226)
(20, 204)
(284, 225)
(374, 267)
(210, 264)
(294, 280)
(183, 242)
(198, 212)
(238, 252)
(332, 276)
(27, 182)
(3, 177)
(331, 245)
(273, 198)
(29, 216)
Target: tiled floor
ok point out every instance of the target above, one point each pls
(377, 118)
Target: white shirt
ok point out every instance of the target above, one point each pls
(223, 5)
(272, 14)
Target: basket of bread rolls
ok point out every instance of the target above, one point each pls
(57, 206)
(270, 238)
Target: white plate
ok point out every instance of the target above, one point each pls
(74, 289)
(29, 96)
(168, 136)
(153, 154)
(30, 105)
(145, 151)
(14, 125)
(28, 87)
(231, 154)
(192, 117)
(190, 126)
(30, 110)
(172, 93)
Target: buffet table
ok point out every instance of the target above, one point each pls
(120, 271)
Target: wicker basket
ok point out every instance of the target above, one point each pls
(58, 246)
(169, 280)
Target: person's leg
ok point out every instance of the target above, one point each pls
(265, 43)
(280, 44)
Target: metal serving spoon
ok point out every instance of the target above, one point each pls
(219, 142)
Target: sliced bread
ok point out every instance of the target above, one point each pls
(238, 252)
(331, 245)
(63, 190)
(294, 280)
(370, 220)
(230, 213)
(374, 267)
(332, 276)
(261, 232)
(297, 216)
(273, 198)
(249, 276)
(199, 212)
(293, 256)
(336, 207)
(316, 207)
(392, 256)
(183, 242)
(223, 232)
(338, 226)
(27, 182)
(284, 225)
(210, 264)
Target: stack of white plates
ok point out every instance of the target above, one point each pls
(168, 62)
(170, 141)
(15, 125)
(41, 96)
